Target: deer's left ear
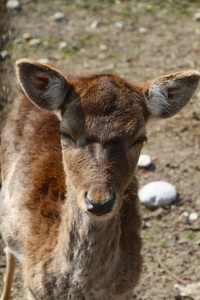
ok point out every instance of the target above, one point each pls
(167, 95)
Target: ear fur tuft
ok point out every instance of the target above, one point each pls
(167, 95)
(43, 85)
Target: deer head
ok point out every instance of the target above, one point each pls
(102, 126)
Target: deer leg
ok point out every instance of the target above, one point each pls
(10, 269)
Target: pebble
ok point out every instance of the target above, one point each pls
(87, 65)
(103, 47)
(102, 56)
(95, 24)
(143, 30)
(144, 161)
(63, 45)
(44, 61)
(18, 41)
(107, 69)
(59, 16)
(46, 44)
(191, 290)
(4, 54)
(197, 16)
(193, 216)
(34, 42)
(184, 217)
(157, 194)
(13, 4)
(119, 25)
(82, 50)
(27, 36)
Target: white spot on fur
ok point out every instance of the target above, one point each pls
(58, 114)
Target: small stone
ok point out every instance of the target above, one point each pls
(46, 44)
(144, 161)
(63, 45)
(193, 216)
(82, 50)
(13, 4)
(95, 24)
(44, 61)
(184, 217)
(191, 290)
(5, 38)
(107, 69)
(34, 42)
(143, 30)
(86, 65)
(178, 288)
(103, 47)
(157, 194)
(71, 23)
(119, 25)
(4, 54)
(59, 16)
(27, 36)
(18, 41)
(197, 16)
(102, 56)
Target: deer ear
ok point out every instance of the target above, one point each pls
(43, 85)
(167, 95)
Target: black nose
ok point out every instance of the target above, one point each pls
(100, 208)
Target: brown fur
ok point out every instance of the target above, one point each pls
(67, 253)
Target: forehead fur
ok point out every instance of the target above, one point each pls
(108, 102)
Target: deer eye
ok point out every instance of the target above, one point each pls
(65, 135)
(140, 140)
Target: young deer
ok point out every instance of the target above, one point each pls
(69, 208)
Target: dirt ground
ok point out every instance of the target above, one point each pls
(139, 40)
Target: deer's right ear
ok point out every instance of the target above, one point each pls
(43, 85)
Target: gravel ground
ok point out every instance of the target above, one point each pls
(138, 40)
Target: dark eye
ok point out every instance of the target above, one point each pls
(65, 135)
(141, 139)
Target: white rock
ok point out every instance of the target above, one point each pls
(59, 16)
(193, 216)
(46, 44)
(102, 56)
(144, 161)
(4, 54)
(18, 41)
(142, 30)
(107, 69)
(34, 42)
(82, 50)
(63, 45)
(103, 47)
(119, 25)
(44, 61)
(95, 24)
(13, 4)
(87, 65)
(191, 290)
(178, 288)
(197, 16)
(27, 36)
(157, 193)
